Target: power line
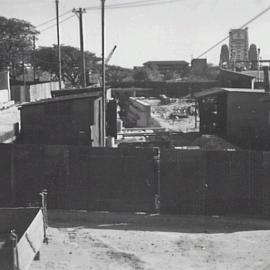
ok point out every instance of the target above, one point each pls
(49, 27)
(134, 4)
(98, 7)
(48, 21)
(145, 4)
(243, 26)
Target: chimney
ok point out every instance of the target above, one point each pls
(266, 79)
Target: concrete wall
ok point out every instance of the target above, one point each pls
(4, 86)
(21, 93)
(42, 91)
(4, 95)
(139, 112)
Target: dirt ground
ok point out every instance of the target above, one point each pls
(144, 242)
(161, 114)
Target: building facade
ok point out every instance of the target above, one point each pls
(169, 67)
(238, 48)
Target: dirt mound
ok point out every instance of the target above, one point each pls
(212, 142)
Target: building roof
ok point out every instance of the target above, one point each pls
(217, 90)
(180, 62)
(114, 89)
(93, 95)
(76, 91)
(237, 74)
(258, 74)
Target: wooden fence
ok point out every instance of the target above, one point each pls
(124, 179)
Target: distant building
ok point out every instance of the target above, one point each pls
(65, 120)
(240, 115)
(239, 48)
(165, 67)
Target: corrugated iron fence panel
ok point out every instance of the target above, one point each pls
(191, 182)
(5, 175)
(28, 172)
(265, 198)
(182, 181)
(111, 179)
(212, 182)
(38, 167)
(235, 182)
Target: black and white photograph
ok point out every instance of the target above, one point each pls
(134, 135)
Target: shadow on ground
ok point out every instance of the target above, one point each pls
(154, 222)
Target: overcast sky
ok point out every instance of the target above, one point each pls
(177, 30)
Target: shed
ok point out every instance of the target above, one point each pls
(240, 115)
(65, 120)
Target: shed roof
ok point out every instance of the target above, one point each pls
(258, 74)
(216, 90)
(93, 95)
(234, 74)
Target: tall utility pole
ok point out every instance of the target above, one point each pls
(79, 12)
(34, 58)
(58, 44)
(103, 72)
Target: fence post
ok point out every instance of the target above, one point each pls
(14, 240)
(156, 158)
(204, 183)
(12, 176)
(67, 172)
(43, 195)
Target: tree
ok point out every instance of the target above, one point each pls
(153, 73)
(224, 56)
(46, 60)
(140, 75)
(148, 74)
(16, 43)
(116, 74)
(253, 57)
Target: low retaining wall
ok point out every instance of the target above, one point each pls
(18, 249)
(139, 113)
